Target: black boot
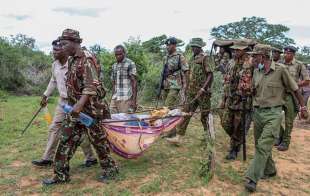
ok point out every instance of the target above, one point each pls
(250, 186)
(232, 155)
(89, 163)
(283, 147)
(42, 163)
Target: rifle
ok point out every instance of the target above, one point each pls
(35, 115)
(163, 77)
(243, 98)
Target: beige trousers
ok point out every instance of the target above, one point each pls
(54, 134)
(120, 106)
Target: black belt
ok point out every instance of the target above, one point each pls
(266, 108)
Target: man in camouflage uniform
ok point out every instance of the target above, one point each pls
(221, 60)
(176, 74)
(270, 81)
(237, 98)
(85, 94)
(200, 81)
(58, 80)
(300, 74)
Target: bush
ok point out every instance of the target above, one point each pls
(17, 61)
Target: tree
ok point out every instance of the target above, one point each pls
(254, 28)
(22, 40)
(96, 49)
(156, 45)
(136, 52)
(305, 50)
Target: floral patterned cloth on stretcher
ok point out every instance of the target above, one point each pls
(130, 135)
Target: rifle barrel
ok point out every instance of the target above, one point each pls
(36, 114)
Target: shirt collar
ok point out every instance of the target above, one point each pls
(79, 53)
(123, 61)
(60, 65)
(273, 65)
(291, 63)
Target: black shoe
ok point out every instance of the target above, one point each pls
(89, 163)
(232, 155)
(282, 147)
(250, 186)
(266, 176)
(53, 181)
(42, 163)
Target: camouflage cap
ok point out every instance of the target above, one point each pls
(261, 49)
(197, 42)
(70, 34)
(171, 40)
(290, 49)
(239, 45)
(274, 49)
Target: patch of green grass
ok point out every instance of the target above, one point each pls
(151, 187)
(162, 169)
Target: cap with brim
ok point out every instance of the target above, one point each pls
(261, 49)
(171, 41)
(290, 49)
(71, 35)
(239, 47)
(276, 50)
(197, 42)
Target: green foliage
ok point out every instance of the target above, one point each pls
(254, 28)
(155, 45)
(21, 40)
(106, 59)
(150, 83)
(304, 54)
(22, 68)
(136, 52)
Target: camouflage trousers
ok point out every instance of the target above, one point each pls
(204, 104)
(232, 124)
(71, 138)
(171, 99)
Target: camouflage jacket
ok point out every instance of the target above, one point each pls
(238, 84)
(198, 72)
(176, 65)
(221, 61)
(83, 79)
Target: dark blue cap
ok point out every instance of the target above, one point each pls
(171, 40)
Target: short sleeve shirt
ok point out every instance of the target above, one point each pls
(298, 70)
(176, 64)
(121, 75)
(270, 87)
